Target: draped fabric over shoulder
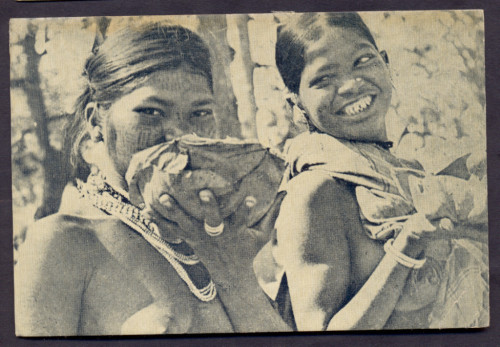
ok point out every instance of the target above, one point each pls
(384, 188)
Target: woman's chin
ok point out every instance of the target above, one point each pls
(368, 128)
(364, 135)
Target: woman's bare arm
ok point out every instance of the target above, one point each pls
(318, 218)
(49, 281)
(315, 254)
(374, 303)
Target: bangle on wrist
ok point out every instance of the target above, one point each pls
(402, 258)
(213, 231)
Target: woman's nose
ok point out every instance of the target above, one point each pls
(174, 128)
(350, 86)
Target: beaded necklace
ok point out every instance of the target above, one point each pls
(178, 253)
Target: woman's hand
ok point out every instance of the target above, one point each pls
(225, 246)
(165, 210)
(233, 237)
(430, 197)
(172, 201)
(415, 234)
(199, 214)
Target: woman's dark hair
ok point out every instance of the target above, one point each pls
(122, 63)
(298, 33)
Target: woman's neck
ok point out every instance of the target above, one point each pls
(117, 182)
(385, 144)
(112, 176)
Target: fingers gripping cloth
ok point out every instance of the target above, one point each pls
(234, 170)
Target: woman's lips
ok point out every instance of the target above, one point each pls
(357, 106)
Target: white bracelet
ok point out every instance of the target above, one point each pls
(213, 231)
(402, 258)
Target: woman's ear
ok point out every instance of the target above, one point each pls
(300, 104)
(299, 117)
(91, 116)
(293, 100)
(90, 113)
(385, 57)
(96, 133)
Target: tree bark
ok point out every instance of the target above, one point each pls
(213, 30)
(246, 107)
(54, 168)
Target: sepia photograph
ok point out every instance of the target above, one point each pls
(249, 173)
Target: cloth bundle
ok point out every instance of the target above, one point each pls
(236, 171)
(390, 189)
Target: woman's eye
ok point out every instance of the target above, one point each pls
(364, 59)
(322, 81)
(202, 113)
(150, 111)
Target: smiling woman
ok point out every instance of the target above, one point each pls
(350, 81)
(351, 230)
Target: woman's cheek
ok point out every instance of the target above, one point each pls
(130, 140)
(322, 110)
(142, 137)
(149, 136)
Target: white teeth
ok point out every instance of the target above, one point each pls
(358, 106)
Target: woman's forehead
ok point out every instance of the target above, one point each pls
(170, 87)
(337, 40)
(175, 82)
(182, 77)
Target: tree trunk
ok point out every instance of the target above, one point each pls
(213, 30)
(242, 77)
(54, 168)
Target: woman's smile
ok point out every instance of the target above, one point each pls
(353, 108)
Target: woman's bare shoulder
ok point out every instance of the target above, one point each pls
(60, 224)
(54, 265)
(317, 203)
(317, 215)
(312, 187)
(61, 235)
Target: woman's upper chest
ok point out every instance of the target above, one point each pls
(121, 288)
(111, 296)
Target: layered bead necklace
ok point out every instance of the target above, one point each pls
(178, 253)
